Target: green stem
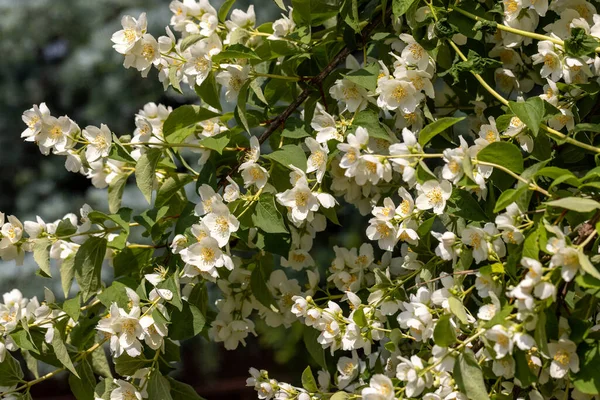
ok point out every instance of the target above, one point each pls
(508, 28)
(531, 185)
(284, 77)
(553, 132)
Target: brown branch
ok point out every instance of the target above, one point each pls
(316, 81)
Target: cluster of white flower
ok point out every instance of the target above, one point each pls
(493, 301)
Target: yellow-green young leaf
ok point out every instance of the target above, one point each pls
(458, 309)
(587, 265)
(88, 266)
(400, 7)
(236, 51)
(182, 122)
(58, 342)
(468, 376)
(280, 4)
(41, 255)
(182, 391)
(308, 380)
(83, 386)
(145, 172)
(530, 112)
(115, 192)
(173, 79)
(289, 154)
(159, 387)
(359, 317)
(435, 128)
(577, 204)
(503, 153)
(444, 334)
(172, 284)
(267, 217)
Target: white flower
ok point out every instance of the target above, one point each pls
(143, 55)
(232, 191)
(380, 388)
(232, 78)
(100, 140)
(198, 65)
(384, 232)
(204, 256)
(476, 238)
(414, 53)
(410, 371)
(221, 223)
(301, 200)
(398, 94)
(325, 126)
(445, 249)
(564, 358)
(125, 391)
(552, 65)
(132, 32)
(208, 200)
(433, 195)
(503, 343)
(317, 161)
(350, 95)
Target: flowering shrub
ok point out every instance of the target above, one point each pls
(465, 132)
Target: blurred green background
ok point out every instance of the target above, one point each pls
(59, 52)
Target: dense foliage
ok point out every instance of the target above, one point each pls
(477, 168)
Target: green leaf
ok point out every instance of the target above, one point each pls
(400, 7)
(224, 10)
(67, 273)
(587, 265)
(83, 386)
(173, 79)
(313, 347)
(115, 192)
(340, 396)
(145, 172)
(236, 51)
(294, 129)
(530, 112)
(369, 120)
(41, 255)
(468, 376)
(115, 293)
(58, 342)
(435, 128)
(170, 188)
(267, 217)
(308, 381)
(541, 339)
(100, 363)
(458, 309)
(186, 323)
(216, 143)
(587, 380)
(503, 153)
(10, 371)
(88, 266)
(289, 154)
(465, 206)
(523, 372)
(444, 334)
(181, 123)
(72, 307)
(365, 77)
(188, 41)
(172, 284)
(259, 287)
(581, 44)
(508, 197)
(159, 387)
(182, 391)
(575, 204)
(126, 365)
(359, 318)
(209, 91)
(240, 108)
